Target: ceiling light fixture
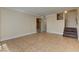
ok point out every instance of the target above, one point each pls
(65, 11)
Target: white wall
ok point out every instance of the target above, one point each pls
(54, 25)
(43, 24)
(71, 19)
(0, 24)
(78, 22)
(15, 24)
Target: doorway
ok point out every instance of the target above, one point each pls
(38, 25)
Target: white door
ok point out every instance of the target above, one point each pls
(71, 19)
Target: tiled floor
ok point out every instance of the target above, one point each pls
(41, 42)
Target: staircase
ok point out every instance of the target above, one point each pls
(70, 32)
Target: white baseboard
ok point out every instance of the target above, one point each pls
(55, 33)
(16, 36)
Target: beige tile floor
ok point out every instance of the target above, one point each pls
(41, 42)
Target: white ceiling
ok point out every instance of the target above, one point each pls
(41, 11)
